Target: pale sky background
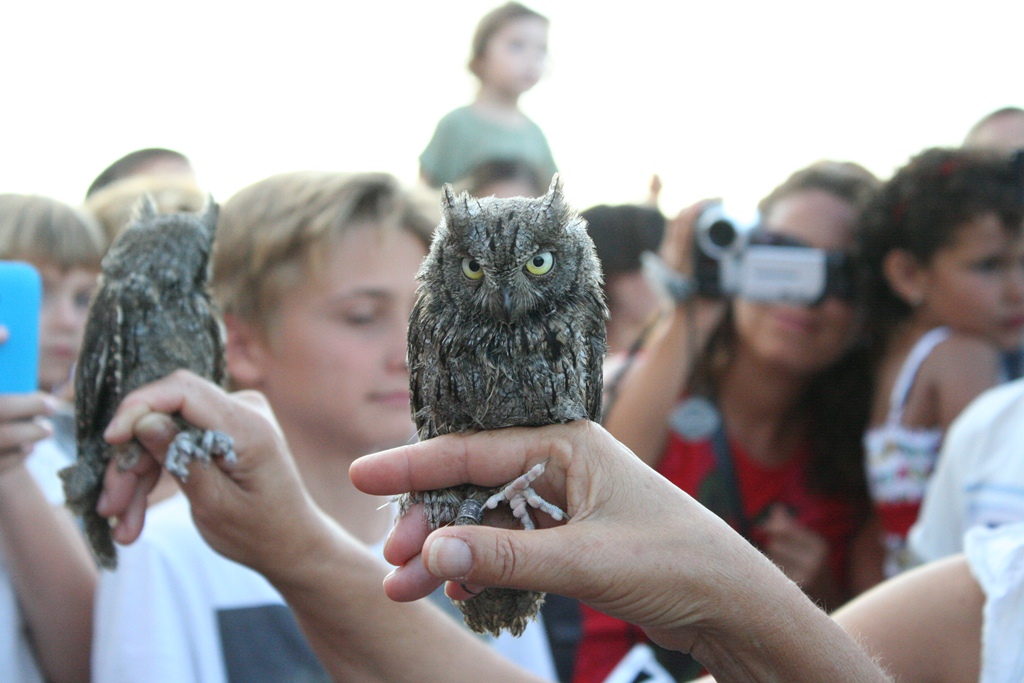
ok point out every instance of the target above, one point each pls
(720, 98)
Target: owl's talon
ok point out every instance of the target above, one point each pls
(188, 446)
(221, 445)
(521, 497)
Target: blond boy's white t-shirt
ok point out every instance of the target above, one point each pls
(175, 610)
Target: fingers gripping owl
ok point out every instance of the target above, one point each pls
(508, 330)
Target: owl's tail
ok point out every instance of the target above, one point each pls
(498, 609)
(83, 482)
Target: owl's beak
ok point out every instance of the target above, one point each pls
(506, 300)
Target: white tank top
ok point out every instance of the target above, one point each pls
(900, 460)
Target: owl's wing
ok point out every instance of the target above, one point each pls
(418, 338)
(100, 365)
(217, 334)
(198, 342)
(596, 339)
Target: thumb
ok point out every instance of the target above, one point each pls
(489, 556)
(156, 431)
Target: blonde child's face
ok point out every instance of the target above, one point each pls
(514, 58)
(66, 295)
(975, 285)
(802, 339)
(333, 366)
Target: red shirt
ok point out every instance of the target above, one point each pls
(691, 467)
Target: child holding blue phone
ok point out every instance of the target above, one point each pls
(47, 576)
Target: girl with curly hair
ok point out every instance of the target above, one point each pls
(942, 257)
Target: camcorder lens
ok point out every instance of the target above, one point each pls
(722, 234)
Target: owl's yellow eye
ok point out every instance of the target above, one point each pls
(540, 264)
(471, 268)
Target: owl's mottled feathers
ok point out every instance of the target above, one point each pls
(152, 314)
(508, 330)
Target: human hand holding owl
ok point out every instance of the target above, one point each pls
(236, 505)
(637, 547)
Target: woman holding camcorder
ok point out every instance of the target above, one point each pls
(753, 396)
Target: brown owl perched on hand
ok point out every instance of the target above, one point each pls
(151, 315)
(508, 330)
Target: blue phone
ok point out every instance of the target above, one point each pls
(21, 296)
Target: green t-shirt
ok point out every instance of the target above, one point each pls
(463, 140)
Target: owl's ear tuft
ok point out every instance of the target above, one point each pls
(447, 197)
(145, 209)
(555, 198)
(209, 216)
(457, 209)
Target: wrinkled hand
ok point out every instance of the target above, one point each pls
(800, 552)
(237, 508)
(636, 546)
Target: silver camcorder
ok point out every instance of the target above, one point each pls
(731, 259)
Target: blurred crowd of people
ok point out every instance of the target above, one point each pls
(848, 437)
